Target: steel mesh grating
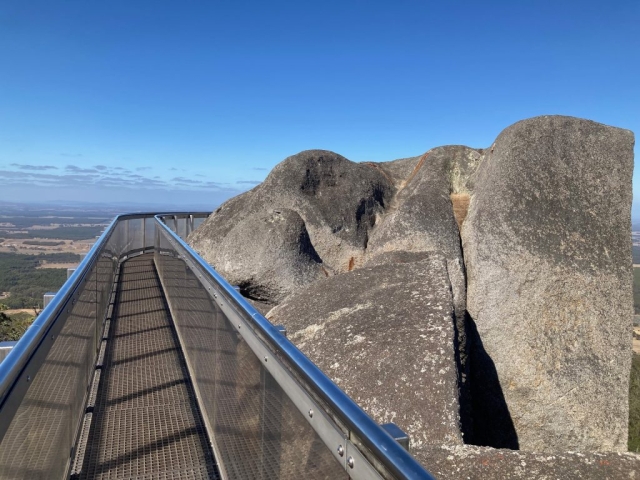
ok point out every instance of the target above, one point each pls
(258, 431)
(145, 423)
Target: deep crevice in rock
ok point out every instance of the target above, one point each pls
(492, 422)
(305, 246)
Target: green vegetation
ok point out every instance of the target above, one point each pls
(634, 406)
(42, 243)
(65, 233)
(22, 317)
(13, 326)
(27, 285)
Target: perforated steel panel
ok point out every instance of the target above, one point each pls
(145, 422)
(38, 441)
(258, 431)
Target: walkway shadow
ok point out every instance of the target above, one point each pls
(492, 423)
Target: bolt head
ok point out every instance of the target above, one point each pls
(340, 450)
(266, 358)
(310, 412)
(350, 462)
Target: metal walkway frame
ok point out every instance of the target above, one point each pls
(142, 415)
(269, 412)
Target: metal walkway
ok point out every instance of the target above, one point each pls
(148, 365)
(145, 422)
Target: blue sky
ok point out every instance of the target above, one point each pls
(192, 102)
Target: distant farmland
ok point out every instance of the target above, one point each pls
(58, 233)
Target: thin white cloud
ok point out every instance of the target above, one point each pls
(77, 177)
(76, 169)
(22, 166)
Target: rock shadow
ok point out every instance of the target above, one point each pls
(491, 422)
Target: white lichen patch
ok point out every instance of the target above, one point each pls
(301, 337)
(356, 339)
(307, 333)
(343, 312)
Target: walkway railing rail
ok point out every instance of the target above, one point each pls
(270, 412)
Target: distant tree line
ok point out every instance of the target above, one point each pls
(26, 222)
(43, 243)
(26, 284)
(63, 233)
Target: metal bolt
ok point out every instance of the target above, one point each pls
(265, 358)
(340, 450)
(350, 462)
(310, 412)
(28, 378)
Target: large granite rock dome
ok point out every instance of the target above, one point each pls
(479, 298)
(386, 333)
(335, 201)
(421, 217)
(547, 247)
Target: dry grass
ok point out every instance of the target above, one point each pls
(80, 247)
(46, 264)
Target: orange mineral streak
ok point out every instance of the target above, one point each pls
(352, 262)
(460, 203)
(377, 167)
(417, 167)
